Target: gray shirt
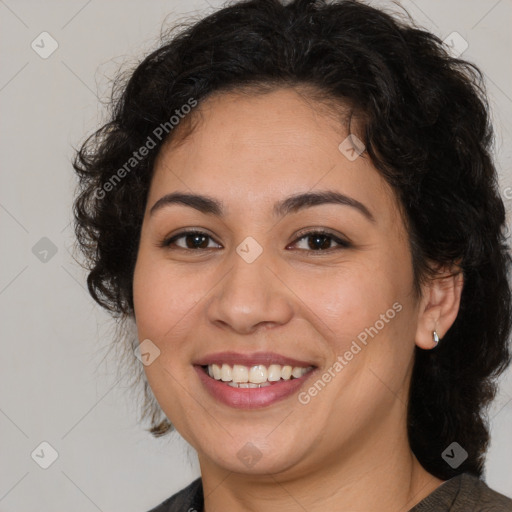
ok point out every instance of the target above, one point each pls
(462, 493)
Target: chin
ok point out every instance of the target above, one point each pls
(255, 455)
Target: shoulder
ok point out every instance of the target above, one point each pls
(486, 498)
(189, 499)
(463, 493)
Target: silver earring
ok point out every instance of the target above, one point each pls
(436, 337)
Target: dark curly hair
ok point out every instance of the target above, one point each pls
(425, 123)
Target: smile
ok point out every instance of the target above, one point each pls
(257, 376)
(252, 380)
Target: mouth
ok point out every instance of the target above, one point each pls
(256, 376)
(252, 381)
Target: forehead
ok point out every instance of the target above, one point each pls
(251, 150)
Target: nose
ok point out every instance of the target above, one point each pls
(250, 297)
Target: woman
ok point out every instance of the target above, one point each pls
(297, 207)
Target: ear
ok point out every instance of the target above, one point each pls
(439, 306)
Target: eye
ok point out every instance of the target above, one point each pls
(316, 240)
(320, 241)
(192, 240)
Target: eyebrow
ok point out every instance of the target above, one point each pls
(211, 206)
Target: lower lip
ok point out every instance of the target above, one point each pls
(250, 398)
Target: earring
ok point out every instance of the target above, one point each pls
(436, 337)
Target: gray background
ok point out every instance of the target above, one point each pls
(59, 385)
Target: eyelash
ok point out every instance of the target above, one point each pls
(343, 244)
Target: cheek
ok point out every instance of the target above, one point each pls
(365, 315)
(162, 296)
(163, 305)
(347, 302)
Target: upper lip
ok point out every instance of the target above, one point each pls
(252, 359)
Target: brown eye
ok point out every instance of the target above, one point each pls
(320, 241)
(192, 240)
(316, 241)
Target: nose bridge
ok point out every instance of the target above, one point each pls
(250, 294)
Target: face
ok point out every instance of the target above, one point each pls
(266, 283)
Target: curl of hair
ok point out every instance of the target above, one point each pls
(426, 128)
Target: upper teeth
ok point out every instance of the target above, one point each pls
(256, 374)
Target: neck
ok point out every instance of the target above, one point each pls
(383, 475)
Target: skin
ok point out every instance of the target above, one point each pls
(346, 449)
